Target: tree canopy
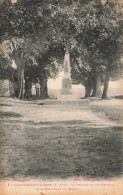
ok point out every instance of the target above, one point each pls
(39, 32)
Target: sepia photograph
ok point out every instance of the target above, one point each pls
(61, 97)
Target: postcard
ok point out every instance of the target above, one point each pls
(61, 97)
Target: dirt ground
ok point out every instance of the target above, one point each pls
(57, 141)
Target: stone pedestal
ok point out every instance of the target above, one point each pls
(66, 86)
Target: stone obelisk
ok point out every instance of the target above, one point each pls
(66, 81)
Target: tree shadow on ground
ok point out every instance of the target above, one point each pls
(63, 151)
(5, 105)
(119, 97)
(10, 114)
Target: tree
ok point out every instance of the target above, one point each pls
(102, 39)
(111, 42)
(34, 30)
(49, 65)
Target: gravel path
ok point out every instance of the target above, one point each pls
(51, 113)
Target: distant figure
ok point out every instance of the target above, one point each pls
(37, 87)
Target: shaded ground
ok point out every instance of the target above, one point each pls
(119, 97)
(57, 141)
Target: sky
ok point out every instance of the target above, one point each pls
(13, 1)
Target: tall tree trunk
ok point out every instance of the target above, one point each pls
(106, 84)
(88, 90)
(20, 74)
(96, 85)
(28, 88)
(44, 88)
(21, 90)
(88, 86)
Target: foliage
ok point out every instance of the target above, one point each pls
(6, 70)
(42, 30)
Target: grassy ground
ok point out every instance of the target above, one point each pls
(38, 145)
(110, 109)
